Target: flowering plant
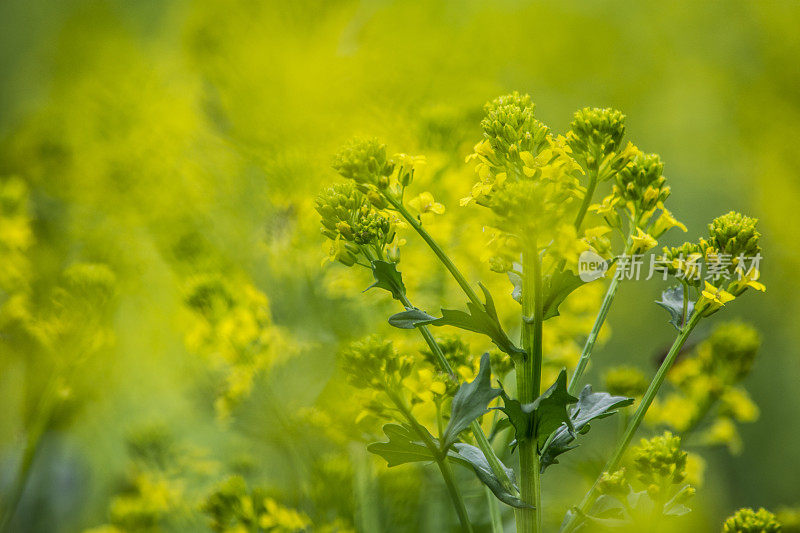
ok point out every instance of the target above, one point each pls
(535, 196)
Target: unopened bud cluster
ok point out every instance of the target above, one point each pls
(749, 521)
(352, 222)
(373, 363)
(510, 127)
(660, 461)
(364, 161)
(596, 136)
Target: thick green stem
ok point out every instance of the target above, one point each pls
(529, 375)
(636, 420)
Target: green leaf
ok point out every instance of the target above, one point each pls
(402, 446)
(672, 301)
(471, 456)
(536, 420)
(411, 318)
(470, 402)
(479, 319)
(591, 406)
(556, 287)
(388, 278)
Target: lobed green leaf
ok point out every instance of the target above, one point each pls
(470, 402)
(590, 406)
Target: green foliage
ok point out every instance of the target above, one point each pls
(672, 300)
(590, 406)
(479, 319)
(538, 419)
(470, 402)
(388, 278)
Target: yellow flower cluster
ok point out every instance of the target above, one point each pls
(731, 257)
(230, 327)
(706, 387)
(637, 199)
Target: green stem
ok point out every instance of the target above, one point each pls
(439, 457)
(529, 375)
(495, 518)
(588, 347)
(587, 200)
(37, 430)
(477, 431)
(636, 420)
(455, 494)
(449, 265)
(365, 491)
(599, 320)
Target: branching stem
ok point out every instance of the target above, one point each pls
(636, 420)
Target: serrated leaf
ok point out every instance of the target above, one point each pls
(388, 278)
(471, 456)
(672, 301)
(590, 406)
(470, 402)
(536, 420)
(556, 288)
(402, 446)
(479, 319)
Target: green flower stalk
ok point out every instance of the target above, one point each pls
(711, 300)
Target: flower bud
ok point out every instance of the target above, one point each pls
(595, 134)
(350, 216)
(734, 234)
(510, 127)
(364, 161)
(642, 183)
(749, 521)
(660, 460)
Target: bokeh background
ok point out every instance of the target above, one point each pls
(150, 148)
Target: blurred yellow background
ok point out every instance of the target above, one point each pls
(163, 146)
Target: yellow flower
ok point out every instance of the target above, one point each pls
(424, 203)
(747, 280)
(665, 222)
(717, 296)
(642, 242)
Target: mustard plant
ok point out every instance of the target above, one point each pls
(536, 194)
